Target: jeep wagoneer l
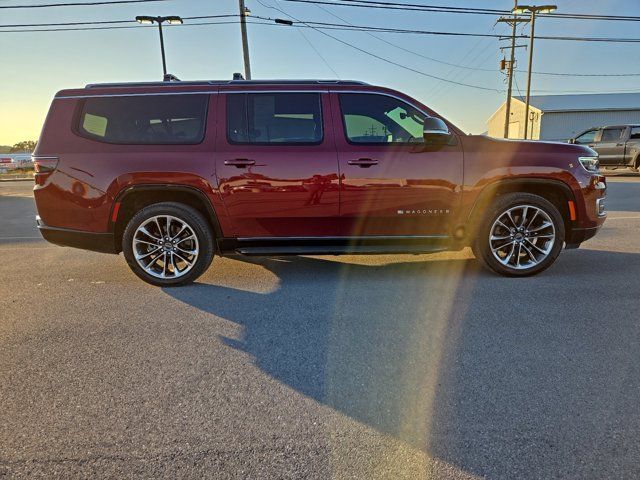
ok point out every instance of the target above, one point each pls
(174, 173)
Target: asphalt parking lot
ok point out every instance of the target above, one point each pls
(320, 367)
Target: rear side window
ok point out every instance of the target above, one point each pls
(274, 118)
(635, 133)
(148, 119)
(611, 134)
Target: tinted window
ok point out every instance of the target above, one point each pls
(611, 134)
(370, 118)
(587, 137)
(152, 119)
(635, 133)
(274, 118)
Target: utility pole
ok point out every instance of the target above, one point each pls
(511, 65)
(245, 42)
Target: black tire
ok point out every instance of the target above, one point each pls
(482, 246)
(196, 223)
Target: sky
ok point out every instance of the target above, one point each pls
(34, 65)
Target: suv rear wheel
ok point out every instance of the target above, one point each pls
(522, 235)
(168, 244)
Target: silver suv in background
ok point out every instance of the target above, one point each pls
(617, 146)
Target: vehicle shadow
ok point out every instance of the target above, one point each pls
(479, 371)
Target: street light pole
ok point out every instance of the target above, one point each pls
(245, 42)
(171, 20)
(533, 10)
(526, 108)
(510, 73)
(514, 23)
(164, 60)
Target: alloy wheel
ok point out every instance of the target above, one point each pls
(522, 237)
(165, 246)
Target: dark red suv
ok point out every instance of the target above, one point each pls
(173, 173)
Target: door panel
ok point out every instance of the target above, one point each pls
(632, 146)
(610, 148)
(277, 165)
(391, 185)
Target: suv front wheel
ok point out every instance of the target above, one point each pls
(522, 235)
(168, 244)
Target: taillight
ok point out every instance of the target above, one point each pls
(43, 167)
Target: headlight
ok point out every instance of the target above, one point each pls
(590, 164)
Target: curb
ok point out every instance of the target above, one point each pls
(16, 179)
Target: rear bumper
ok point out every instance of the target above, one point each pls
(97, 242)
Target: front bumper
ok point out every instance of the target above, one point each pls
(578, 235)
(97, 242)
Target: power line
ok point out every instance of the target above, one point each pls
(301, 31)
(399, 47)
(325, 25)
(463, 75)
(371, 54)
(346, 27)
(337, 26)
(403, 6)
(466, 67)
(461, 10)
(102, 22)
(444, 7)
(270, 24)
(124, 27)
(405, 67)
(79, 4)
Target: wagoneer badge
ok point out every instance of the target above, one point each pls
(430, 211)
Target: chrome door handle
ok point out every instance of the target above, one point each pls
(363, 162)
(240, 162)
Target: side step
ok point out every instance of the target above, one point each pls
(335, 245)
(339, 250)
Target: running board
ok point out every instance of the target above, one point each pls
(338, 250)
(335, 245)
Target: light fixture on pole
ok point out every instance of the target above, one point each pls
(171, 20)
(533, 10)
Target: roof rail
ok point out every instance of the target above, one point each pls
(224, 82)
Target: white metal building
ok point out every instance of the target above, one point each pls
(560, 117)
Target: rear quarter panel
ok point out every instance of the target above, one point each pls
(80, 194)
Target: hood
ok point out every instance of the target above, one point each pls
(530, 146)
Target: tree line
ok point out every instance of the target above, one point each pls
(26, 146)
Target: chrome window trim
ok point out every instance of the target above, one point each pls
(248, 89)
(133, 94)
(240, 90)
(370, 92)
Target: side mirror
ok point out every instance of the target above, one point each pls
(436, 132)
(572, 140)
